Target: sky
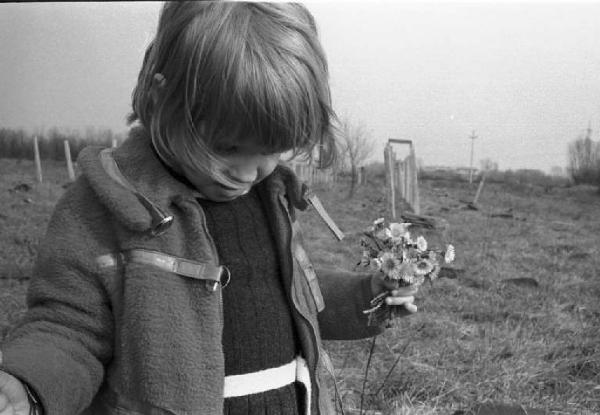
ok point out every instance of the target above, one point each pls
(524, 77)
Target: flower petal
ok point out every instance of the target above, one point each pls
(449, 255)
(421, 244)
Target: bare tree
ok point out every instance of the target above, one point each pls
(584, 160)
(557, 171)
(488, 165)
(356, 147)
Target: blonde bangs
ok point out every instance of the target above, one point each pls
(256, 79)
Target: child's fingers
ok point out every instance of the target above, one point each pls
(405, 291)
(13, 397)
(400, 300)
(406, 301)
(3, 403)
(411, 307)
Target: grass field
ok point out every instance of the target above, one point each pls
(476, 338)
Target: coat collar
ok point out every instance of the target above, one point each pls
(147, 180)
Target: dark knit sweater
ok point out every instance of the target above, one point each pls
(258, 330)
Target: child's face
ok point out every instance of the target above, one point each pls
(247, 164)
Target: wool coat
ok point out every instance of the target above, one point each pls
(110, 329)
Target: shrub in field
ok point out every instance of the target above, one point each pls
(376, 171)
(440, 174)
(531, 178)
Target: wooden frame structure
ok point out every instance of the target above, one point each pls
(401, 177)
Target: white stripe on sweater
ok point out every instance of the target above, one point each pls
(269, 379)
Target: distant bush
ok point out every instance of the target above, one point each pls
(523, 176)
(18, 144)
(584, 161)
(520, 178)
(442, 174)
(375, 171)
(496, 176)
(537, 178)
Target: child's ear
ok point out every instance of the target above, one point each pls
(158, 84)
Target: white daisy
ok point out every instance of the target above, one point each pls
(407, 273)
(397, 231)
(376, 264)
(423, 267)
(435, 272)
(449, 256)
(390, 265)
(421, 244)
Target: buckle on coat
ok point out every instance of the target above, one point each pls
(160, 227)
(212, 285)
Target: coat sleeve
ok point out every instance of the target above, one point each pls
(346, 294)
(60, 346)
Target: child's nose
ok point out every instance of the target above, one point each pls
(245, 172)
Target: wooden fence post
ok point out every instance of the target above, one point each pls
(400, 185)
(479, 189)
(415, 202)
(407, 182)
(404, 174)
(311, 174)
(386, 167)
(69, 161)
(389, 154)
(36, 156)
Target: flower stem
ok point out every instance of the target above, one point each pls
(374, 239)
(400, 354)
(362, 394)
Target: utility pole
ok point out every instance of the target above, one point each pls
(472, 137)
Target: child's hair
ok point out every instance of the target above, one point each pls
(248, 71)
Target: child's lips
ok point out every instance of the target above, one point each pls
(234, 191)
(229, 188)
(241, 187)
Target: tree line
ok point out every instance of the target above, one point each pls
(18, 143)
(354, 140)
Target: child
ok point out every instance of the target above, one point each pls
(172, 278)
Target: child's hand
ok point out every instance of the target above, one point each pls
(13, 397)
(400, 295)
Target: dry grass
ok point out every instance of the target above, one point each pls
(478, 338)
(23, 217)
(475, 338)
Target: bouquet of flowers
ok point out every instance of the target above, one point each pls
(402, 260)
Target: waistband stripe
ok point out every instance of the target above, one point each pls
(269, 379)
